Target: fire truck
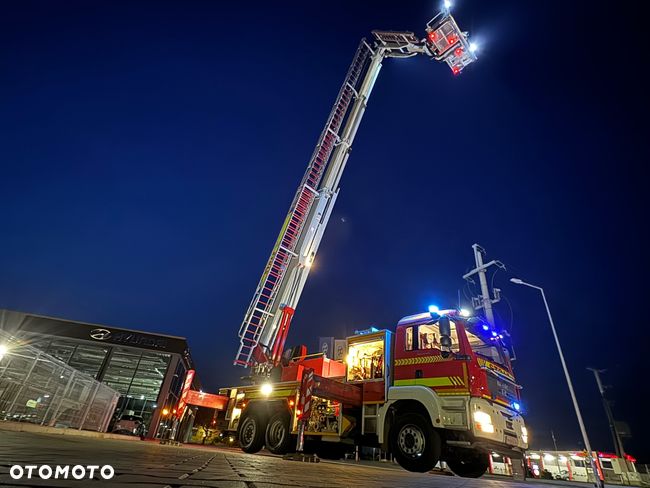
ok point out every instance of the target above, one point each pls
(439, 388)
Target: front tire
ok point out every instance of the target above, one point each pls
(415, 443)
(472, 464)
(250, 432)
(278, 433)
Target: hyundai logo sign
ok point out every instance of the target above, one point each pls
(100, 334)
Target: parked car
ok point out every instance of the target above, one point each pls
(129, 425)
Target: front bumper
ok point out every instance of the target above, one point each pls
(505, 428)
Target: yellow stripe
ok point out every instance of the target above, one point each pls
(274, 394)
(419, 360)
(487, 364)
(496, 400)
(441, 381)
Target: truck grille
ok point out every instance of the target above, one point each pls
(500, 388)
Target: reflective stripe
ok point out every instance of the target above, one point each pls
(420, 360)
(440, 381)
(490, 365)
(274, 394)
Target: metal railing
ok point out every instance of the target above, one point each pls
(38, 388)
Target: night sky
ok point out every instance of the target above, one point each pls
(149, 152)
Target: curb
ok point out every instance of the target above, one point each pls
(40, 429)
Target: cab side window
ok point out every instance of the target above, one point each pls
(408, 344)
(428, 336)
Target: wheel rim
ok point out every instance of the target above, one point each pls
(411, 441)
(247, 433)
(277, 432)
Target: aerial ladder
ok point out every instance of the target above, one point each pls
(265, 327)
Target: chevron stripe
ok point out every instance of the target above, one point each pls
(457, 380)
(420, 360)
(490, 365)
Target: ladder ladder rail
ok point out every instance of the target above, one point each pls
(263, 305)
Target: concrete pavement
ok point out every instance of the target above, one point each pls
(149, 465)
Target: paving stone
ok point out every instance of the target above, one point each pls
(151, 465)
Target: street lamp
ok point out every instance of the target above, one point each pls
(599, 483)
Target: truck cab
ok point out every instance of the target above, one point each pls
(455, 374)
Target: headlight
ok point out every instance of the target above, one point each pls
(267, 389)
(524, 434)
(483, 422)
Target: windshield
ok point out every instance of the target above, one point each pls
(487, 350)
(427, 336)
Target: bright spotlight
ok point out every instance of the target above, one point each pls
(473, 47)
(267, 389)
(434, 309)
(464, 312)
(447, 4)
(3, 350)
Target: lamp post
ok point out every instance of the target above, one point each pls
(598, 482)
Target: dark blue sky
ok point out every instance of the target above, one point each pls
(149, 152)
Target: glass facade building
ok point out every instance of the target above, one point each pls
(38, 388)
(146, 370)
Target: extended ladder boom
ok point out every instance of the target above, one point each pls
(267, 320)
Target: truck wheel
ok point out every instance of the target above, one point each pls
(471, 464)
(278, 433)
(415, 444)
(251, 432)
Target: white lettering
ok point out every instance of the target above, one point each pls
(16, 472)
(107, 468)
(45, 472)
(78, 472)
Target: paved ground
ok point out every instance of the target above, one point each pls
(148, 465)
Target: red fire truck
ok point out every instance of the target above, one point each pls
(440, 387)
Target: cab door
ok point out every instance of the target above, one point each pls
(419, 360)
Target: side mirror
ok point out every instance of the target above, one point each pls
(445, 336)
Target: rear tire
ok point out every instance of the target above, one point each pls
(250, 432)
(278, 433)
(470, 464)
(414, 442)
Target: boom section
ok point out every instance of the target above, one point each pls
(266, 324)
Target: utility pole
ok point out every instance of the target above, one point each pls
(557, 455)
(618, 443)
(484, 301)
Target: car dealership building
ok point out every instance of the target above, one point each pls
(146, 369)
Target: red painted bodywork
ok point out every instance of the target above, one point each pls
(429, 363)
(322, 366)
(374, 391)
